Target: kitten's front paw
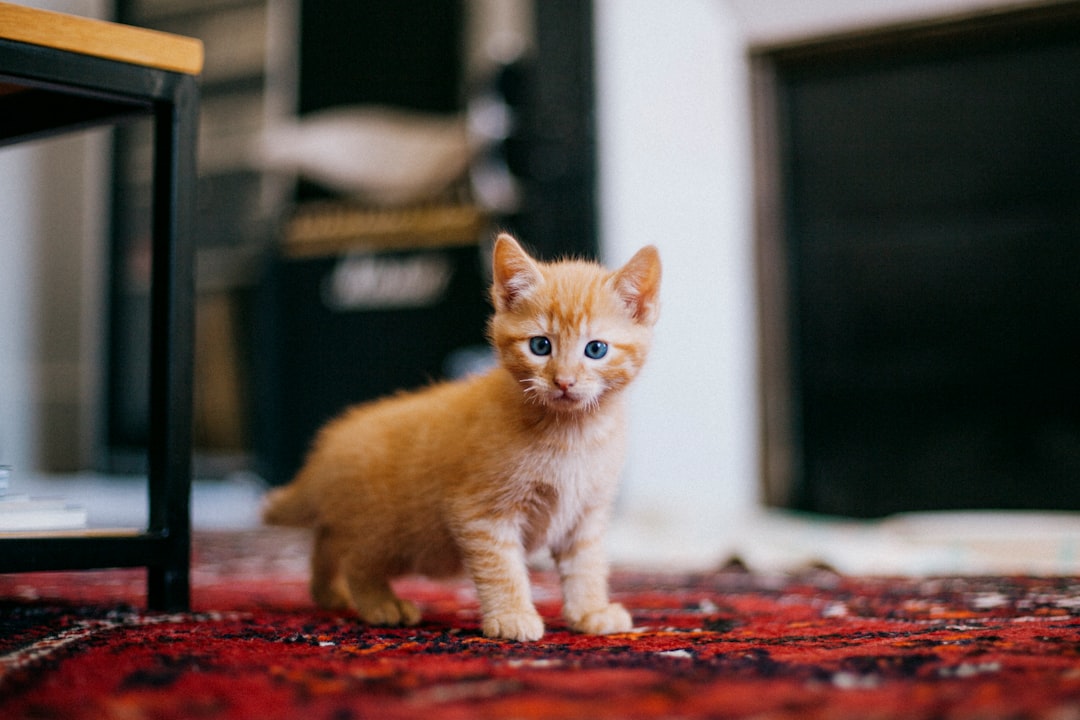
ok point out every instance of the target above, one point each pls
(519, 626)
(607, 620)
(391, 613)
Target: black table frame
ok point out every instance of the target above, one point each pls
(67, 91)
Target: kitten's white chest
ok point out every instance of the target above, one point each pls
(565, 480)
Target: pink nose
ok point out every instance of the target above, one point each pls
(564, 383)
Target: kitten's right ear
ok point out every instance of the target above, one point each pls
(638, 284)
(516, 274)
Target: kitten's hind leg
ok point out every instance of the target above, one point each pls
(373, 598)
(327, 585)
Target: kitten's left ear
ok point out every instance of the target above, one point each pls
(515, 273)
(638, 284)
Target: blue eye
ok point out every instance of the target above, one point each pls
(540, 345)
(596, 349)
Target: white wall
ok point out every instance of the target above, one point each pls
(776, 21)
(675, 170)
(53, 210)
(17, 285)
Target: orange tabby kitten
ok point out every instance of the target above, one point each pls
(477, 473)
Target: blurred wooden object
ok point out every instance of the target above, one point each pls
(101, 39)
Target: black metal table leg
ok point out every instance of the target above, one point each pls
(171, 364)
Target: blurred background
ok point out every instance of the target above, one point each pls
(868, 213)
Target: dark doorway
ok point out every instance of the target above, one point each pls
(921, 266)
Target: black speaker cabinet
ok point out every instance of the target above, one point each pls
(349, 320)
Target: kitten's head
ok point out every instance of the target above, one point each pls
(572, 332)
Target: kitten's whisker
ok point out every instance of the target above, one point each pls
(592, 404)
(531, 390)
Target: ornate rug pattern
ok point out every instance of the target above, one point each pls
(728, 644)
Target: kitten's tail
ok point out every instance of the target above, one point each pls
(287, 506)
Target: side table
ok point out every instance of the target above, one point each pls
(60, 73)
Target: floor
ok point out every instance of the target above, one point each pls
(1037, 543)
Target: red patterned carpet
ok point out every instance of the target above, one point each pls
(721, 645)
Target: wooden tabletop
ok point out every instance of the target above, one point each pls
(98, 38)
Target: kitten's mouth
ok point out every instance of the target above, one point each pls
(566, 400)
